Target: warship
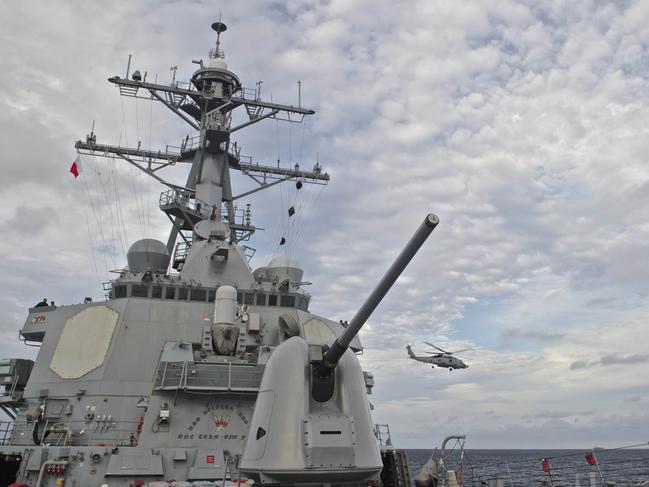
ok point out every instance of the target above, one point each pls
(197, 370)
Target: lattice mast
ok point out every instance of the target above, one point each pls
(205, 205)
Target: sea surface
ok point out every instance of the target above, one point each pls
(523, 467)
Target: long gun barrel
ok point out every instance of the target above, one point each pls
(333, 354)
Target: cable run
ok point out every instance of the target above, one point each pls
(92, 249)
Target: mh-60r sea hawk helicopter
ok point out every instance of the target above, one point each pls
(442, 358)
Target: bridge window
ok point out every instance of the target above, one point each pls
(183, 292)
(261, 299)
(156, 292)
(170, 292)
(139, 291)
(248, 298)
(272, 300)
(287, 301)
(211, 295)
(198, 295)
(120, 292)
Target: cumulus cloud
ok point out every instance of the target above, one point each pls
(563, 414)
(636, 358)
(512, 334)
(612, 359)
(30, 221)
(579, 364)
(633, 399)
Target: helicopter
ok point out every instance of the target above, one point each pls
(442, 358)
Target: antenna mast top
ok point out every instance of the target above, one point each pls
(218, 27)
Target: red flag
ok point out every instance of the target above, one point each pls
(545, 463)
(590, 458)
(75, 168)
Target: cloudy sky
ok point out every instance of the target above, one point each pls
(523, 125)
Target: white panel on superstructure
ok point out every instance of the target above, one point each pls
(84, 342)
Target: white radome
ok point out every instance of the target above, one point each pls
(285, 267)
(218, 63)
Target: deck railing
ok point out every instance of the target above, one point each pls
(6, 429)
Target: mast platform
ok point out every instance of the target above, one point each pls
(188, 211)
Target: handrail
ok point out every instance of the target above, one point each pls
(6, 429)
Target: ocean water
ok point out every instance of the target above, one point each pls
(523, 467)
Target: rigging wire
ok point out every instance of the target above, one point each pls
(107, 181)
(291, 225)
(306, 211)
(139, 175)
(96, 210)
(298, 200)
(138, 212)
(108, 189)
(114, 221)
(291, 196)
(85, 214)
(306, 204)
(148, 184)
(290, 143)
(282, 223)
(91, 205)
(103, 203)
(119, 202)
(304, 122)
(293, 219)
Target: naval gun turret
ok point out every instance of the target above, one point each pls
(311, 424)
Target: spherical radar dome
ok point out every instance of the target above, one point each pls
(148, 254)
(285, 267)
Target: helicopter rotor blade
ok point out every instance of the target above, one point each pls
(436, 353)
(435, 346)
(463, 350)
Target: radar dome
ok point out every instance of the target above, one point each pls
(259, 273)
(218, 63)
(284, 267)
(148, 254)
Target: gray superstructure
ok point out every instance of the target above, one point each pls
(196, 370)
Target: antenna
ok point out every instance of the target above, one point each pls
(92, 138)
(258, 94)
(299, 93)
(218, 27)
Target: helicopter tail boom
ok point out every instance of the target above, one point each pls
(411, 354)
